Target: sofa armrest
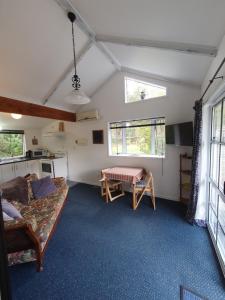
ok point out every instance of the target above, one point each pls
(21, 223)
(59, 182)
(20, 236)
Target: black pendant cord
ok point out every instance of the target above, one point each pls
(74, 52)
(75, 79)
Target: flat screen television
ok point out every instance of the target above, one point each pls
(180, 134)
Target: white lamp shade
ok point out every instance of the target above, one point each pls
(16, 116)
(77, 97)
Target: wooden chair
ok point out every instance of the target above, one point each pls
(141, 187)
(111, 187)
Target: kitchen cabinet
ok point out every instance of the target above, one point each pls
(33, 166)
(7, 172)
(15, 169)
(19, 169)
(56, 167)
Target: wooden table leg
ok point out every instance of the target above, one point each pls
(106, 191)
(134, 197)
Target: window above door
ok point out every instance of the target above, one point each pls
(137, 90)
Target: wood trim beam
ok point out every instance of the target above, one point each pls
(173, 46)
(8, 105)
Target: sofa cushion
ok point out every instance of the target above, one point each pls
(29, 178)
(6, 217)
(10, 210)
(43, 187)
(45, 212)
(15, 189)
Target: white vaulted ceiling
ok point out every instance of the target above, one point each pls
(174, 65)
(187, 21)
(36, 47)
(93, 70)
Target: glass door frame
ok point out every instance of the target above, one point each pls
(215, 185)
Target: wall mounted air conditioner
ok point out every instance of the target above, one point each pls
(87, 115)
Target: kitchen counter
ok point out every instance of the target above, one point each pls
(23, 159)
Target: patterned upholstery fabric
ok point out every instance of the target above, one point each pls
(141, 183)
(30, 178)
(44, 212)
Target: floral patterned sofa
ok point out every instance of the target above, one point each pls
(27, 238)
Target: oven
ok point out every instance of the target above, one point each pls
(47, 168)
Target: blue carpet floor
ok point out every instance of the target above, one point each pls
(107, 251)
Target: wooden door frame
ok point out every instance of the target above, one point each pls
(5, 292)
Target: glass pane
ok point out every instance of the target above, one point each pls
(138, 137)
(160, 140)
(137, 90)
(223, 127)
(216, 122)
(222, 213)
(221, 242)
(213, 198)
(212, 221)
(222, 168)
(138, 140)
(116, 141)
(214, 162)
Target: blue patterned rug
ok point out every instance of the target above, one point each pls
(187, 294)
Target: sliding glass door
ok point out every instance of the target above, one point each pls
(216, 206)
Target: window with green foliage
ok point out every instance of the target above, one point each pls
(136, 90)
(144, 137)
(11, 143)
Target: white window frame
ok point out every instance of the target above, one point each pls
(124, 142)
(144, 82)
(215, 184)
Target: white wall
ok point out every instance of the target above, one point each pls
(29, 134)
(85, 162)
(213, 67)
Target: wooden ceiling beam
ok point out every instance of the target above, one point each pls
(165, 45)
(8, 105)
(67, 6)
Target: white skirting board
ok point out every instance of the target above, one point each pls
(166, 197)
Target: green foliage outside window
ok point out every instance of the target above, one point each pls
(11, 144)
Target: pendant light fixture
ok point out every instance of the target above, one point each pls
(16, 116)
(76, 96)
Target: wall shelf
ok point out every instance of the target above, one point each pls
(54, 134)
(185, 178)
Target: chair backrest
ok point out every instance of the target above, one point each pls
(148, 178)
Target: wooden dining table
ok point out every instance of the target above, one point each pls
(125, 174)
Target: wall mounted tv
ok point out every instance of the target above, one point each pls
(180, 134)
